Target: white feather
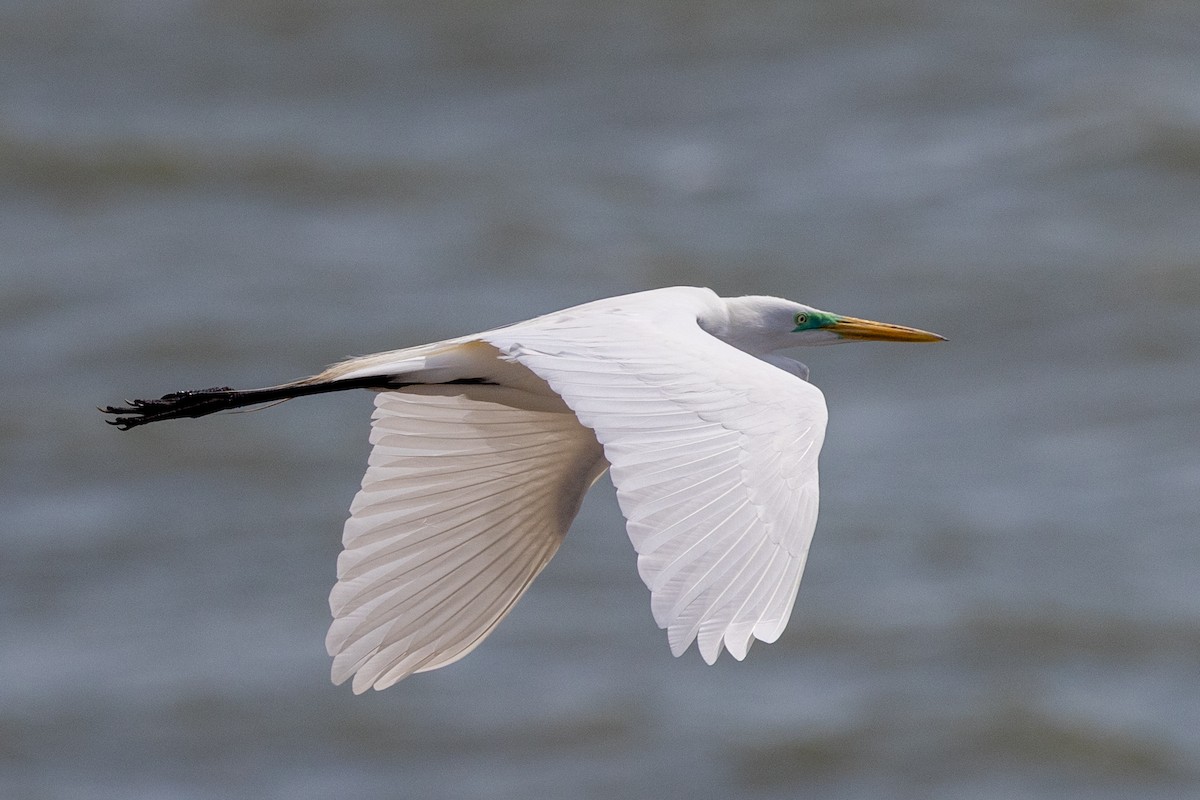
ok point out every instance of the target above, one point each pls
(468, 494)
(713, 454)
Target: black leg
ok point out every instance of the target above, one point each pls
(202, 402)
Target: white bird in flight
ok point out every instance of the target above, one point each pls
(484, 446)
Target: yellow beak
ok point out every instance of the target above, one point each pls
(865, 329)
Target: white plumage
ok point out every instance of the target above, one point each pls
(465, 499)
(484, 446)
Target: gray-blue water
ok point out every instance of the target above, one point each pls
(1003, 598)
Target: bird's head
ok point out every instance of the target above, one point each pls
(763, 324)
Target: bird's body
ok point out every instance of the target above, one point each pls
(483, 447)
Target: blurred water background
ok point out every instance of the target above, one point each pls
(1001, 600)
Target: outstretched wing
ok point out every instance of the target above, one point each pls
(714, 456)
(468, 493)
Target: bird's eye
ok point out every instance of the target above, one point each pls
(801, 318)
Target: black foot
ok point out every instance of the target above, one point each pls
(176, 405)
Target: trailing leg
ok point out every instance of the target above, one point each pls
(202, 402)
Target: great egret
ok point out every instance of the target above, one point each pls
(483, 447)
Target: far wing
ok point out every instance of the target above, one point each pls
(714, 457)
(468, 493)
